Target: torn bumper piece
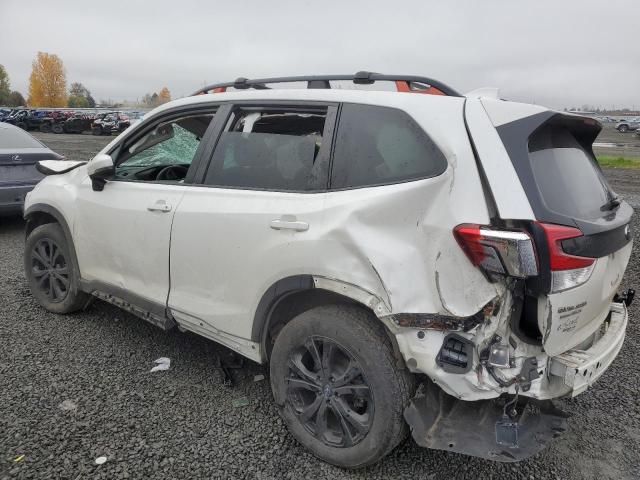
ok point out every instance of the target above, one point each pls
(443, 422)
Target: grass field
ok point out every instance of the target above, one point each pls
(618, 162)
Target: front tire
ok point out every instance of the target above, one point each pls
(623, 128)
(57, 128)
(51, 272)
(336, 382)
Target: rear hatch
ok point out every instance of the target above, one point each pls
(581, 228)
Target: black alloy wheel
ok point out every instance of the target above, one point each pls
(50, 270)
(328, 392)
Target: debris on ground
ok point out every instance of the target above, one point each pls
(100, 460)
(67, 406)
(162, 364)
(240, 402)
(258, 378)
(18, 459)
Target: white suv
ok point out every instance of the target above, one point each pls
(400, 258)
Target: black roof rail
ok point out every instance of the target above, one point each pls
(322, 81)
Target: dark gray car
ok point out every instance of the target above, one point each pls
(19, 153)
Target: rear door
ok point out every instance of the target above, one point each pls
(580, 226)
(252, 218)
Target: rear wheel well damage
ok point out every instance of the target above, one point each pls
(288, 304)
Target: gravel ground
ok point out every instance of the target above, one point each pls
(74, 388)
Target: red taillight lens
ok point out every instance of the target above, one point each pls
(567, 271)
(468, 237)
(558, 259)
(507, 252)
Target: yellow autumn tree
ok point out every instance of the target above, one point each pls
(48, 82)
(164, 95)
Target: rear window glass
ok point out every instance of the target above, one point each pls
(17, 138)
(380, 145)
(567, 177)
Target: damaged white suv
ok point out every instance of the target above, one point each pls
(410, 258)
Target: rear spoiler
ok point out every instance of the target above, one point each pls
(57, 167)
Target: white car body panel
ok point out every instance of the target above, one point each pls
(511, 199)
(134, 256)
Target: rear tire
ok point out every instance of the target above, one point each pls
(96, 131)
(57, 128)
(45, 127)
(336, 382)
(51, 271)
(623, 128)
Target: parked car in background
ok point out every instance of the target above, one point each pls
(630, 125)
(78, 123)
(362, 243)
(19, 154)
(110, 122)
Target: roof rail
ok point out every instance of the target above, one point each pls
(322, 81)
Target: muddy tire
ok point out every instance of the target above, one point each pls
(45, 127)
(96, 131)
(51, 270)
(22, 125)
(337, 385)
(57, 128)
(623, 128)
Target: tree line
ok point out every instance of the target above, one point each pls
(48, 88)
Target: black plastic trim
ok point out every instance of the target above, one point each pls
(271, 297)
(600, 244)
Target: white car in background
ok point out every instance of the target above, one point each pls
(413, 258)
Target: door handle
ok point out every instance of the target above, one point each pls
(280, 224)
(159, 206)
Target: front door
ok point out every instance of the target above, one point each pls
(122, 233)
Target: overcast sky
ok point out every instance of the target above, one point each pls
(557, 53)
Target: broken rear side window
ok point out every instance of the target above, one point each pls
(268, 149)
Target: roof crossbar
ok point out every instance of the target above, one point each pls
(322, 81)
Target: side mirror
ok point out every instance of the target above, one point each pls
(100, 168)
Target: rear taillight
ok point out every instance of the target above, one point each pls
(506, 252)
(567, 271)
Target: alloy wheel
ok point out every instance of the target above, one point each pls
(328, 392)
(50, 270)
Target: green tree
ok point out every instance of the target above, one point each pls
(80, 96)
(16, 100)
(5, 87)
(76, 101)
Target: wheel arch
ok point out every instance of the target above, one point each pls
(290, 296)
(41, 214)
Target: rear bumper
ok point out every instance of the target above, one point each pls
(579, 369)
(12, 198)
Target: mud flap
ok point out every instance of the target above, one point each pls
(443, 422)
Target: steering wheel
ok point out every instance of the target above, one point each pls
(172, 172)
